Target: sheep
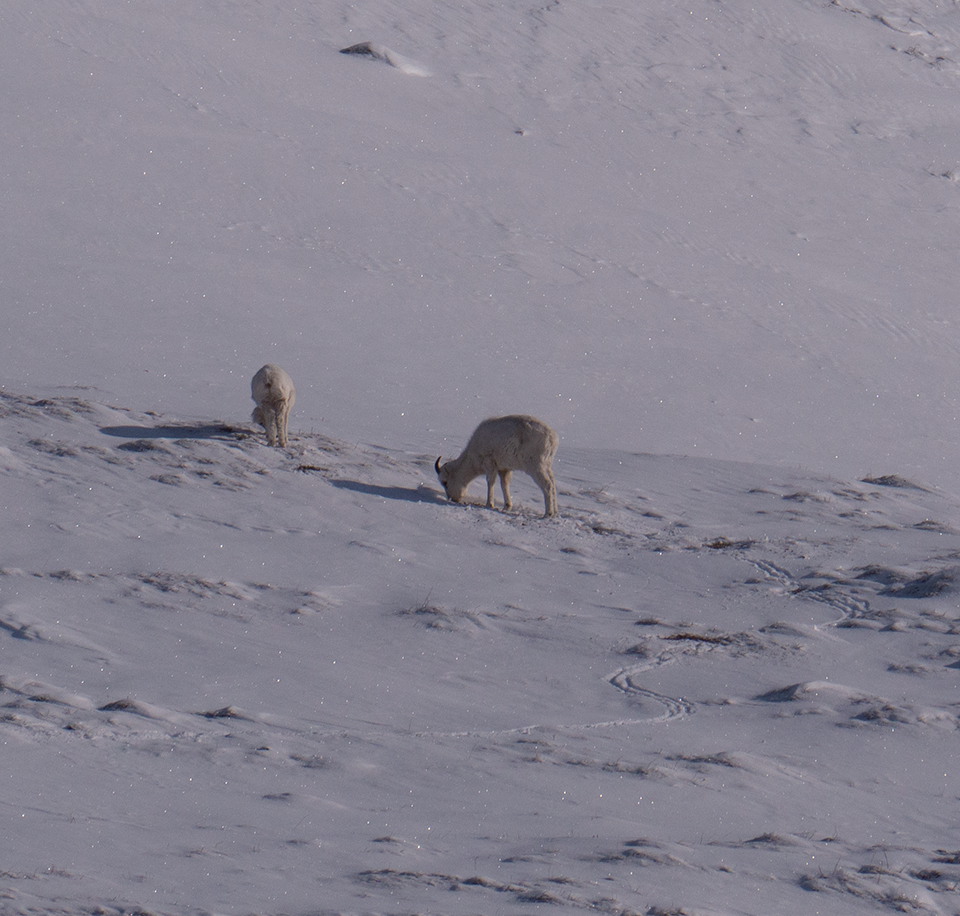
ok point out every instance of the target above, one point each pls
(274, 393)
(501, 445)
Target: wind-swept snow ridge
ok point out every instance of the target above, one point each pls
(379, 52)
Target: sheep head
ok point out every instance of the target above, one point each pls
(453, 488)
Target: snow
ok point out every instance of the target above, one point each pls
(712, 246)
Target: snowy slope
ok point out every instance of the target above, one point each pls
(712, 230)
(714, 246)
(242, 680)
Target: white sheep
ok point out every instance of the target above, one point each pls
(501, 445)
(274, 393)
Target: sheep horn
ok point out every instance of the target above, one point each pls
(436, 467)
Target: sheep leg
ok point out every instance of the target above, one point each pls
(505, 486)
(491, 480)
(282, 417)
(270, 416)
(546, 482)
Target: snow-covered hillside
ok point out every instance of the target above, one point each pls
(713, 245)
(712, 229)
(240, 680)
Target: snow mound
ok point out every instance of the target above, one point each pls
(379, 52)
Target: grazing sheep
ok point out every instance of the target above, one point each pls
(274, 393)
(501, 445)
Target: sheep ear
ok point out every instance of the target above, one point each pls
(436, 467)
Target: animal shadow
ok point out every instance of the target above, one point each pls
(174, 431)
(420, 494)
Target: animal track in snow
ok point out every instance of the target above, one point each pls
(627, 680)
(849, 606)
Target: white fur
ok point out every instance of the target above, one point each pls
(274, 393)
(501, 445)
